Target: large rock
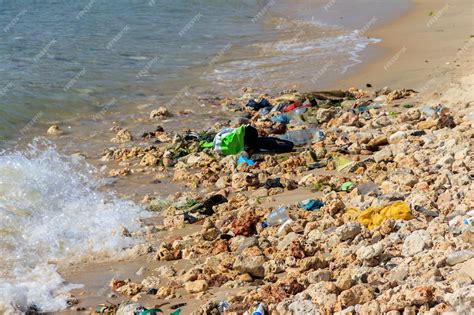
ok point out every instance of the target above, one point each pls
(416, 242)
(196, 286)
(348, 230)
(252, 265)
(382, 155)
(358, 294)
(369, 252)
(161, 112)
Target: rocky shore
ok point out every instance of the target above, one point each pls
(371, 216)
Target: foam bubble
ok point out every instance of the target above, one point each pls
(51, 212)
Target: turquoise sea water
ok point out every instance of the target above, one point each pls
(63, 59)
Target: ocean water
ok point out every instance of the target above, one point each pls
(71, 59)
(51, 211)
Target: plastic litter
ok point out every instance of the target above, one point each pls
(374, 216)
(427, 111)
(277, 217)
(346, 186)
(258, 105)
(469, 221)
(426, 211)
(254, 143)
(281, 119)
(303, 136)
(243, 159)
(341, 163)
(176, 306)
(223, 306)
(105, 309)
(361, 109)
(259, 310)
(289, 107)
(311, 204)
(316, 165)
(176, 312)
(273, 183)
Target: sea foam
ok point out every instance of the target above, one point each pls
(52, 211)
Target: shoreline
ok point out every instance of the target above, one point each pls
(416, 47)
(444, 75)
(358, 78)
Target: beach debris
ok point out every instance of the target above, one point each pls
(374, 216)
(311, 204)
(54, 130)
(122, 135)
(408, 250)
(160, 112)
(256, 106)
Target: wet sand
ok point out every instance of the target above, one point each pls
(431, 40)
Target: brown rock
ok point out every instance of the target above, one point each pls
(244, 224)
(358, 294)
(54, 130)
(196, 286)
(427, 124)
(161, 112)
(220, 246)
(130, 289)
(446, 121)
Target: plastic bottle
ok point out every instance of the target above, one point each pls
(259, 310)
(427, 111)
(277, 217)
(223, 306)
(303, 136)
(469, 221)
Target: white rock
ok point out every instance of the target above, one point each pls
(369, 252)
(348, 230)
(397, 137)
(384, 154)
(415, 243)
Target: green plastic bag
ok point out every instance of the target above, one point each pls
(229, 141)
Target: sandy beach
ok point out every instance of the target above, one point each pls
(325, 260)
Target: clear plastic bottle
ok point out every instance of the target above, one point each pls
(277, 217)
(223, 306)
(303, 136)
(259, 310)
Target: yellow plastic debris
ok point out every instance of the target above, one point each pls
(341, 163)
(374, 216)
